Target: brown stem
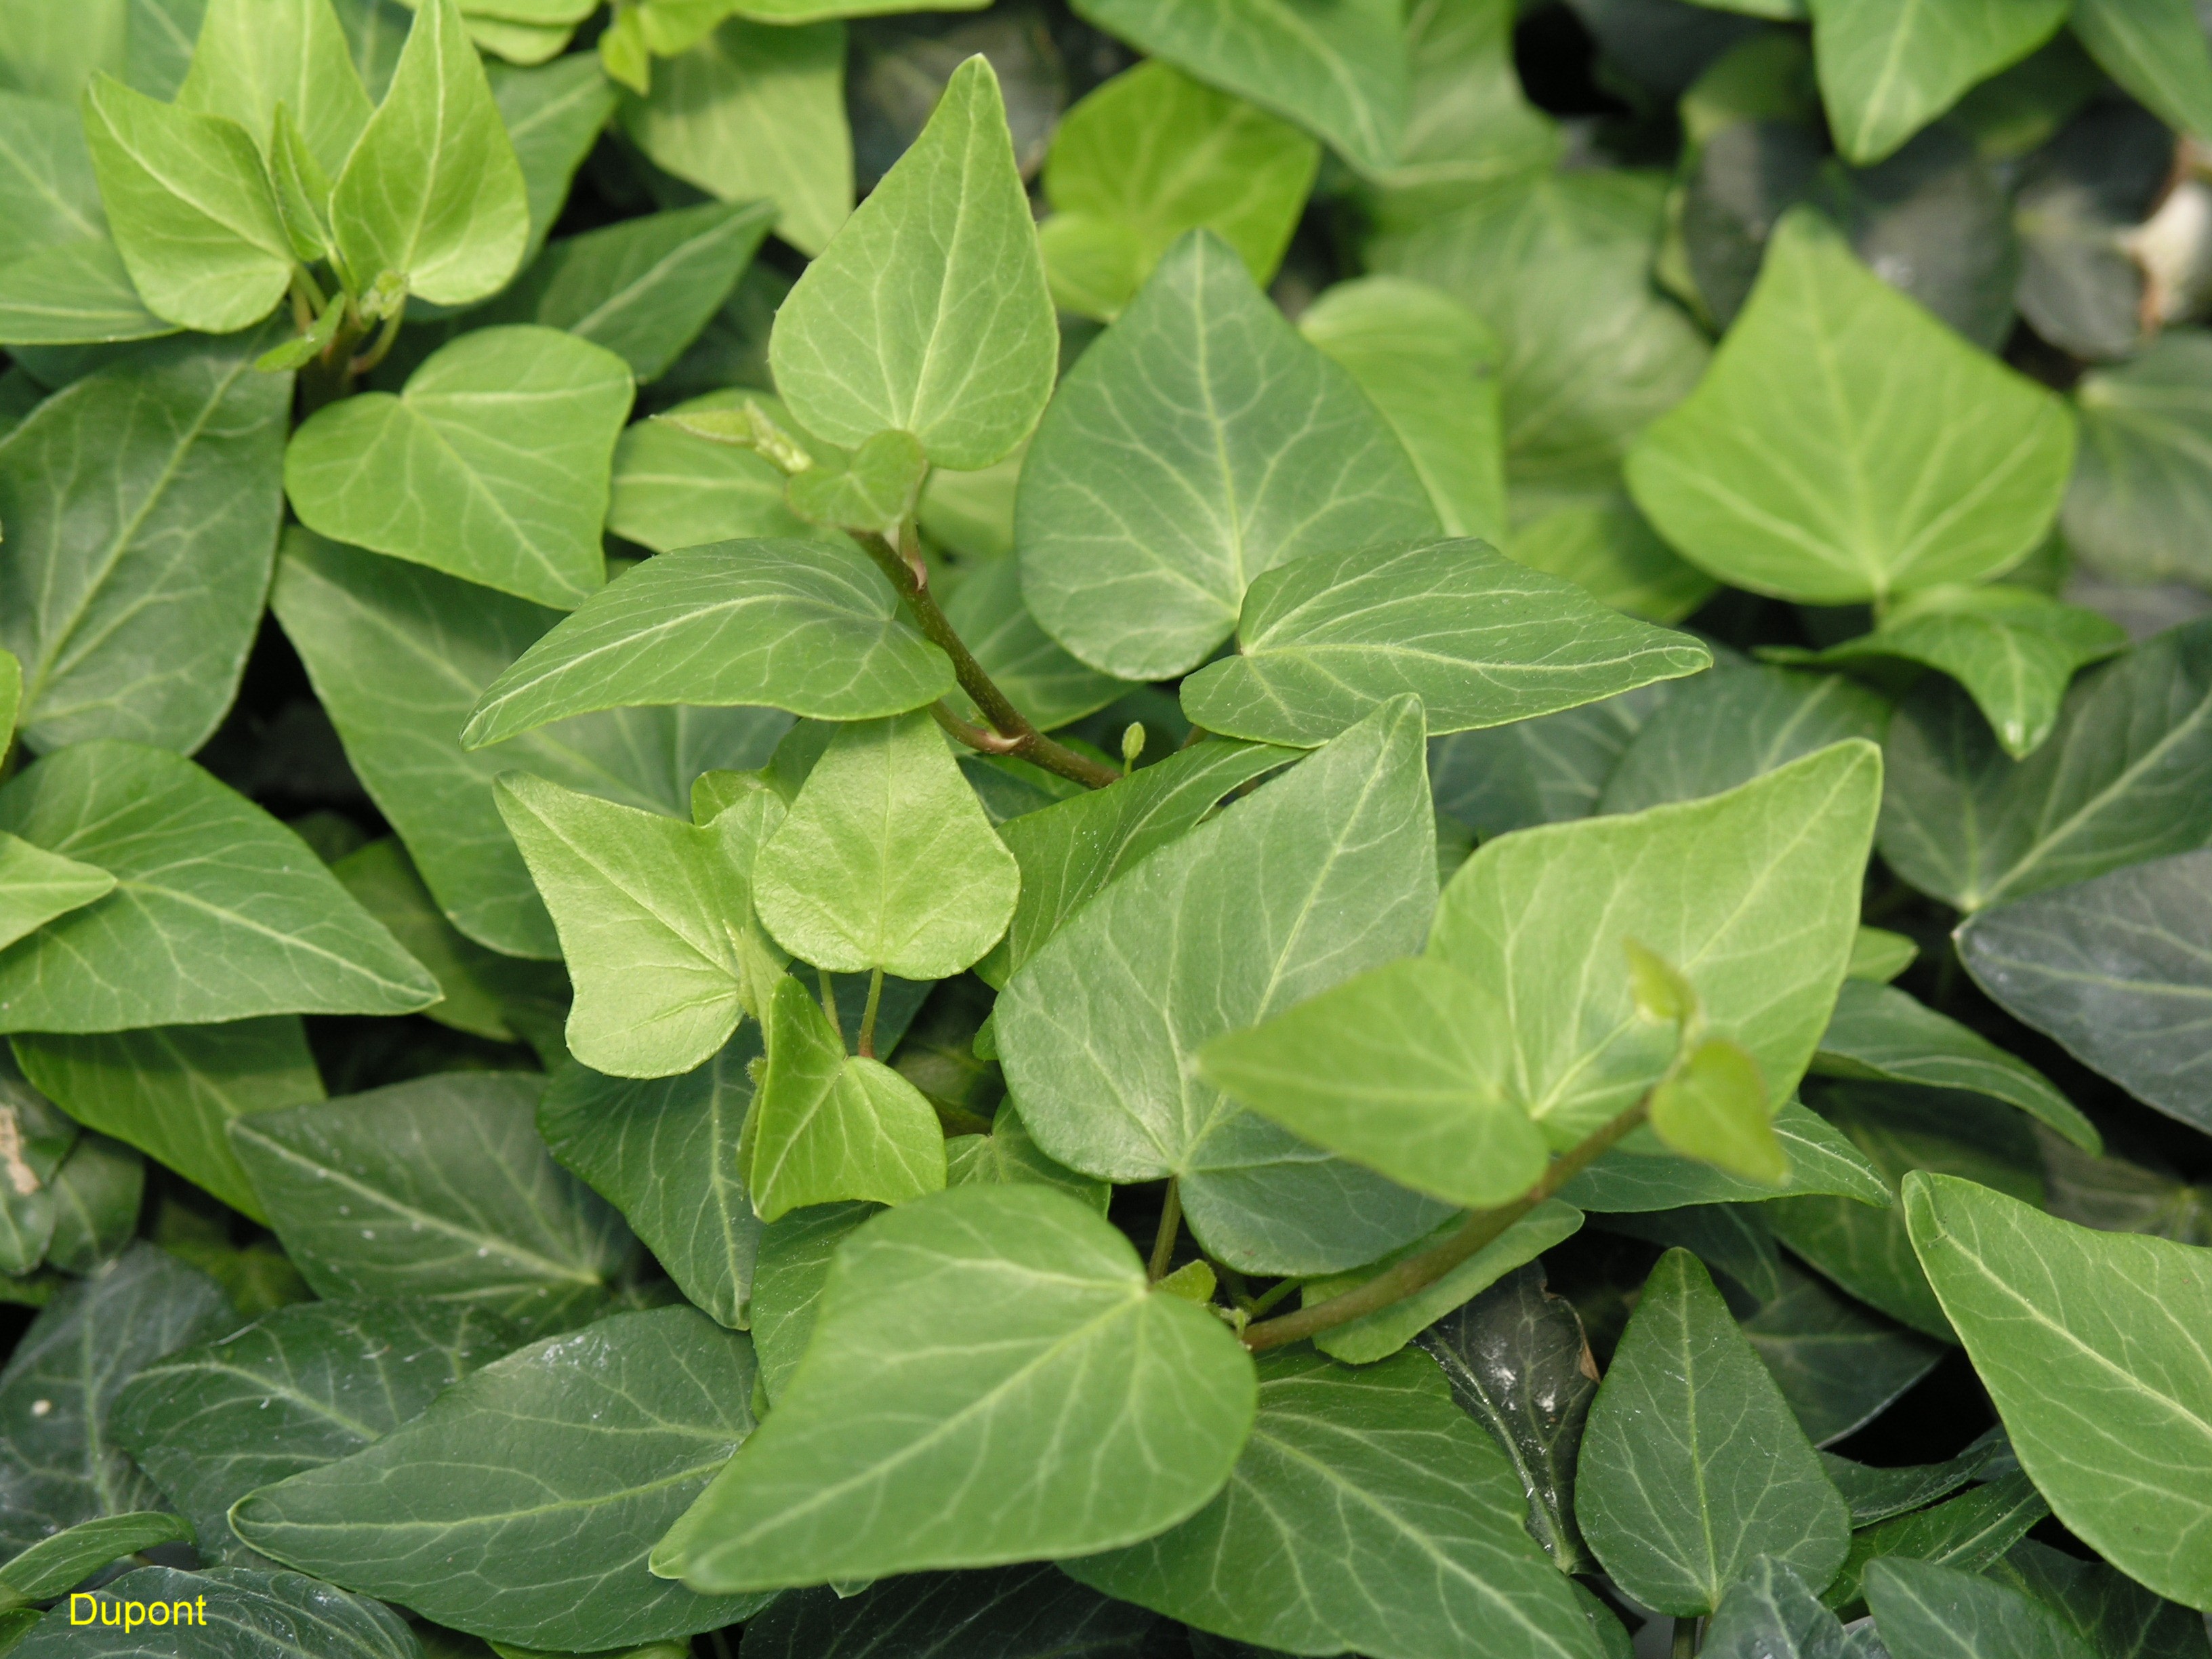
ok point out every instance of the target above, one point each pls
(1014, 734)
(1419, 1272)
(1164, 1241)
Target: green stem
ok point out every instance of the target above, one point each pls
(867, 1048)
(1010, 731)
(1417, 1272)
(1685, 1639)
(1274, 1294)
(1164, 1241)
(829, 1002)
(328, 378)
(385, 339)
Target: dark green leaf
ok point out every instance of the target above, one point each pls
(1839, 1365)
(1878, 1494)
(2116, 1616)
(74, 1554)
(552, 115)
(787, 1281)
(1014, 1613)
(97, 1193)
(1539, 771)
(2155, 49)
(248, 1614)
(2142, 492)
(1732, 725)
(1769, 1613)
(1924, 1610)
(1970, 1533)
(1641, 1174)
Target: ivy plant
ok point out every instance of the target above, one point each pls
(1166, 831)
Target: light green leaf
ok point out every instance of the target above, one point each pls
(553, 116)
(1328, 870)
(1714, 1108)
(1007, 1155)
(1480, 639)
(36, 887)
(1198, 444)
(673, 488)
(486, 994)
(828, 1126)
(928, 312)
(49, 196)
(1691, 1464)
(1431, 366)
(808, 626)
(1152, 154)
(1734, 724)
(2092, 1346)
(220, 912)
(665, 1152)
(2125, 776)
(1879, 956)
(642, 288)
(192, 208)
(266, 1615)
(300, 1387)
(2013, 649)
(1069, 851)
(1024, 661)
(1397, 1071)
(1338, 70)
(1866, 1250)
(2118, 969)
(493, 464)
(1924, 1610)
(77, 293)
(1598, 540)
(40, 1138)
(875, 490)
(433, 192)
(886, 860)
(1467, 124)
(647, 909)
(56, 1468)
(253, 57)
(1756, 906)
(987, 1363)
(1839, 1365)
(1880, 1034)
(437, 1188)
(1969, 1533)
(757, 111)
(1642, 1175)
(1957, 464)
(1377, 1335)
(170, 1091)
(452, 1513)
(1366, 1512)
(398, 654)
(1887, 71)
(2142, 494)
(2155, 49)
(74, 1554)
(141, 506)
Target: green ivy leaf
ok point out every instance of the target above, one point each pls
(642, 288)
(928, 312)
(986, 1358)
(2115, 969)
(49, 196)
(1482, 640)
(1924, 1610)
(1959, 463)
(36, 887)
(1000, 1613)
(664, 1150)
(1198, 444)
(1152, 154)
(58, 1466)
(1541, 771)
(886, 860)
(74, 1554)
(220, 912)
(97, 1193)
(1641, 1175)
(635, 1414)
(170, 1091)
(1731, 725)
(77, 295)
(399, 654)
(493, 464)
(432, 192)
(251, 58)
(303, 1387)
(1691, 1464)
(1338, 71)
(1839, 1365)
(1308, 1547)
(192, 208)
(757, 109)
(812, 626)
(1714, 1108)
(2109, 1611)
(1007, 1156)
(2142, 494)
(673, 488)
(553, 115)
(1880, 1494)
(1769, 1613)
(2013, 651)
(874, 491)
(1431, 366)
(795, 1253)
(828, 1126)
(1880, 1034)
(1970, 1533)
(2126, 776)
(437, 1188)
(1887, 71)
(43, 1138)
(281, 1615)
(141, 506)
(1024, 661)
(2091, 1345)
(2156, 50)
(1323, 873)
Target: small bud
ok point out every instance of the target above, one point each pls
(1663, 995)
(1132, 745)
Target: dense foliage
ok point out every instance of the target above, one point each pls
(731, 920)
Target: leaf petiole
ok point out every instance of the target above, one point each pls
(1164, 1241)
(867, 1044)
